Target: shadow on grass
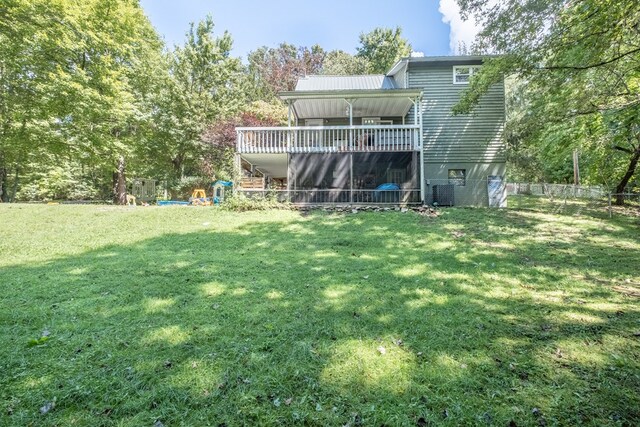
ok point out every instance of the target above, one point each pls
(476, 317)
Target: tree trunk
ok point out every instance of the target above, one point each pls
(635, 157)
(178, 165)
(3, 184)
(12, 198)
(120, 183)
(3, 180)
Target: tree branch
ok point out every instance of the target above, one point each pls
(624, 149)
(586, 67)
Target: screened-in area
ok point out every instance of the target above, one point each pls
(376, 178)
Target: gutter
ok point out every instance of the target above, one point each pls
(341, 94)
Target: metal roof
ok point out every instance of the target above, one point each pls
(362, 107)
(366, 82)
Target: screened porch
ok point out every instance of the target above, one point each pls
(356, 178)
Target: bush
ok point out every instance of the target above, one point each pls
(182, 188)
(58, 183)
(239, 202)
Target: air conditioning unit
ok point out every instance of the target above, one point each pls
(443, 194)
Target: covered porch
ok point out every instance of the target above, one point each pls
(340, 146)
(340, 121)
(340, 178)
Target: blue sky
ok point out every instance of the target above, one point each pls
(333, 24)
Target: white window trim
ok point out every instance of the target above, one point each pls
(472, 70)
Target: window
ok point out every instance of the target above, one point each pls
(461, 75)
(314, 122)
(457, 177)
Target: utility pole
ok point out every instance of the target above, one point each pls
(576, 168)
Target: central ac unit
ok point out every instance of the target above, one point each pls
(443, 194)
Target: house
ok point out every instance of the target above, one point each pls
(382, 139)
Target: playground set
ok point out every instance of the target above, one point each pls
(199, 196)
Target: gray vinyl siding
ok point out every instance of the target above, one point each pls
(475, 137)
(473, 142)
(474, 192)
(401, 78)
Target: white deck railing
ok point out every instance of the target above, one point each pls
(327, 139)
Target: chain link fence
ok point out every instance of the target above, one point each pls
(573, 199)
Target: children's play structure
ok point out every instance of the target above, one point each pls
(199, 196)
(144, 190)
(219, 190)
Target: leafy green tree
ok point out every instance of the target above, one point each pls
(580, 62)
(201, 86)
(69, 73)
(341, 63)
(382, 47)
(30, 49)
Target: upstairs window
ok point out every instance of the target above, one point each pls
(462, 74)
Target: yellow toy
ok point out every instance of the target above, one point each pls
(199, 198)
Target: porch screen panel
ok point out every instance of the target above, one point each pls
(396, 170)
(373, 169)
(321, 178)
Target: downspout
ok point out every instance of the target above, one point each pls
(420, 134)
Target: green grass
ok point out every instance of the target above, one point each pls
(197, 316)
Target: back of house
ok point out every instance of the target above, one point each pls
(383, 139)
(463, 155)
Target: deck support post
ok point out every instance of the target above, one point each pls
(350, 108)
(414, 171)
(415, 109)
(237, 166)
(351, 178)
(289, 177)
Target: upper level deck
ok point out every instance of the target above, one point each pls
(328, 139)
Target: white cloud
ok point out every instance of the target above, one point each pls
(461, 31)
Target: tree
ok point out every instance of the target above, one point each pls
(381, 48)
(274, 70)
(201, 86)
(68, 73)
(220, 136)
(24, 87)
(341, 63)
(580, 61)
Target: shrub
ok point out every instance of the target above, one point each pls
(58, 183)
(183, 188)
(239, 202)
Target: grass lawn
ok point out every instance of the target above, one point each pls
(195, 316)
